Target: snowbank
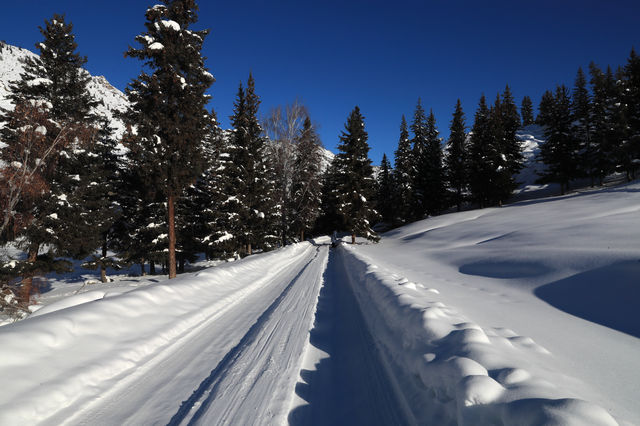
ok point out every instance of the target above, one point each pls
(57, 362)
(449, 369)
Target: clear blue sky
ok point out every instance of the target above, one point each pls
(380, 55)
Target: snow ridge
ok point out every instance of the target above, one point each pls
(450, 369)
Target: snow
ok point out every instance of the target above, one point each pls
(539, 294)
(111, 99)
(86, 358)
(156, 46)
(173, 25)
(524, 314)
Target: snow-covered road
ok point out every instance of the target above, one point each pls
(519, 315)
(225, 342)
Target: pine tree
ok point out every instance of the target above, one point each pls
(385, 199)
(306, 186)
(501, 152)
(582, 128)
(526, 111)
(626, 151)
(168, 106)
(419, 153)
(329, 219)
(486, 165)
(210, 195)
(142, 234)
(431, 171)
(100, 174)
(545, 109)
(631, 99)
(560, 151)
(355, 180)
(53, 84)
(404, 173)
(456, 158)
(605, 138)
(56, 75)
(512, 146)
(250, 184)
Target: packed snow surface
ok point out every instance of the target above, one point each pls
(524, 314)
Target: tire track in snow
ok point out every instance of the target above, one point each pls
(234, 390)
(343, 379)
(140, 395)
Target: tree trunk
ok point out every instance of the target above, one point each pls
(353, 238)
(172, 236)
(103, 269)
(142, 271)
(249, 249)
(27, 282)
(301, 235)
(152, 267)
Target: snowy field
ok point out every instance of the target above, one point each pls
(525, 314)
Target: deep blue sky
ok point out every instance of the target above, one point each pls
(380, 55)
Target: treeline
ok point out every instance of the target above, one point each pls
(477, 167)
(590, 132)
(174, 186)
(594, 129)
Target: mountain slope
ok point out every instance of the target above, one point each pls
(111, 99)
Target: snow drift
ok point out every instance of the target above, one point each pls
(449, 369)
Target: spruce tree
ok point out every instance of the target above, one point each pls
(53, 84)
(385, 197)
(545, 109)
(606, 137)
(329, 219)
(404, 173)
(456, 158)
(168, 106)
(56, 75)
(560, 151)
(526, 111)
(210, 194)
(631, 99)
(142, 235)
(306, 186)
(511, 123)
(419, 153)
(582, 127)
(486, 170)
(100, 172)
(355, 183)
(500, 154)
(249, 186)
(430, 170)
(626, 148)
(478, 171)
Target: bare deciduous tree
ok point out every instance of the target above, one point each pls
(283, 126)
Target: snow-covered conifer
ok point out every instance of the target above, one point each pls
(355, 184)
(306, 180)
(168, 105)
(456, 158)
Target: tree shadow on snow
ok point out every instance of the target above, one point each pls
(608, 296)
(505, 269)
(347, 386)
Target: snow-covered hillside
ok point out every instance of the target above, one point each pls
(524, 314)
(111, 100)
